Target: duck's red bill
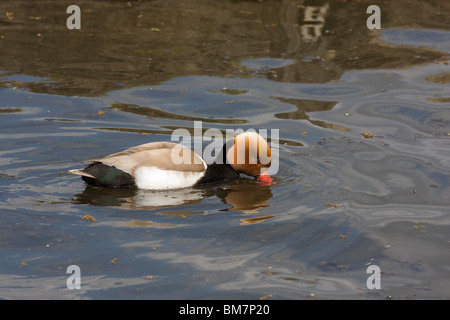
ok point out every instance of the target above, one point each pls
(265, 177)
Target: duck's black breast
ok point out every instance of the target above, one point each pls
(218, 172)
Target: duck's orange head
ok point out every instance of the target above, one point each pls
(251, 155)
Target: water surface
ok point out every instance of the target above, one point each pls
(364, 125)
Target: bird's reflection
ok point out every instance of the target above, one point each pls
(246, 196)
(241, 195)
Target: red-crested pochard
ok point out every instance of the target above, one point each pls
(157, 165)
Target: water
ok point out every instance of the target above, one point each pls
(364, 124)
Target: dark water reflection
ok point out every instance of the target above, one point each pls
(241, 196)
(364, 127)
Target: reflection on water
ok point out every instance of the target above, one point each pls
(130, 198)
(155, 113)
(140, 69)
(241, 196)
(151, 42)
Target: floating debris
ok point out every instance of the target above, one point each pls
(367, 135)
(97, 114)
(255, 220)
(88, 218)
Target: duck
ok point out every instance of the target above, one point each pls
(157, 165)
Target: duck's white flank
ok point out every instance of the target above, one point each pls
(152, 178)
